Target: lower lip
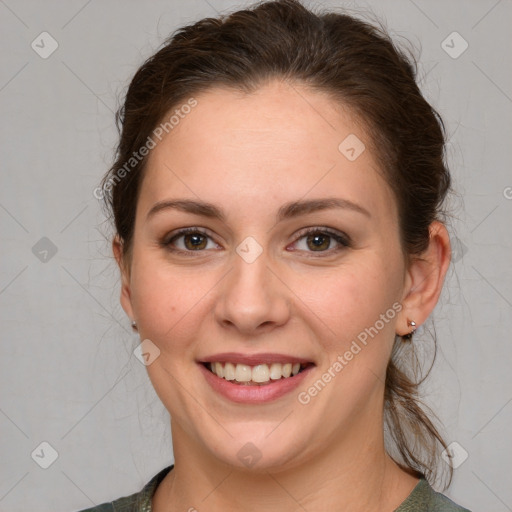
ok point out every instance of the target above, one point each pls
(254, 394)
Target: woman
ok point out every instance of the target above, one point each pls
(277, 197)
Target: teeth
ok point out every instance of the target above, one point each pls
(219, 370)
(229, 371)
(276, 371)
(260, 373)
(243, 373)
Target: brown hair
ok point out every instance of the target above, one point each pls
(360, 67)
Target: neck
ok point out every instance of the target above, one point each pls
(353, 474)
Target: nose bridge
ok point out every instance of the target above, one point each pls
(252, 296)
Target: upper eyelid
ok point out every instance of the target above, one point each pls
(320, 229)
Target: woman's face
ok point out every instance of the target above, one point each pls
(255, 285)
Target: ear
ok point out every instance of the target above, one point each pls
(424, 279)
(126, 301)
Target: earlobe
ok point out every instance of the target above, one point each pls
(424, 280)
(125, 299)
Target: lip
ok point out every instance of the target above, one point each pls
(254, 394)
(253, 359)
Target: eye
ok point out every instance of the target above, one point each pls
(321, 240)
(189, 240)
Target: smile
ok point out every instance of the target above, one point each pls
(254, 379)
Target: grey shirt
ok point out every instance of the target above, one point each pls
(422, 499)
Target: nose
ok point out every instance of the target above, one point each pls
(252, 298)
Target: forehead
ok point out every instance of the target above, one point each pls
(282, 141)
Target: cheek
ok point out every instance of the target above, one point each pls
(353, 298)
(363, 313)
(166, 299)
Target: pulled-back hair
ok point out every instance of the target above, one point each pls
(359, 66)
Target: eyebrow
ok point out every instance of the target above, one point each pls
(287, 211)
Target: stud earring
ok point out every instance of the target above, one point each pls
(134, 325)
(408, 336)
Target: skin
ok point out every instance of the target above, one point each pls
(249, 155)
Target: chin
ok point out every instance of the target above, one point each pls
(252, 448)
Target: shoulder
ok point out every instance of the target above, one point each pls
(423, 498)
(137, 502)
(125, 504)
(105, 507)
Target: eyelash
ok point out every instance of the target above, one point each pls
(341, 238)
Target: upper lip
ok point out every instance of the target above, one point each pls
(253, 359)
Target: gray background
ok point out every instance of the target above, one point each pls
(68, 376)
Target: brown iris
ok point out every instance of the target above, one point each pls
(195, 241)
(319, 241)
